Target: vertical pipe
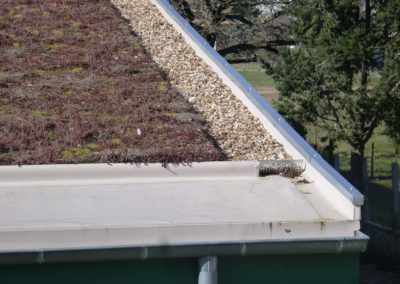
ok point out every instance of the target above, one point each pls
(208, 270)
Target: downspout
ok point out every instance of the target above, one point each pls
(208, 270)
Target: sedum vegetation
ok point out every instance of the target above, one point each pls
(76, 86)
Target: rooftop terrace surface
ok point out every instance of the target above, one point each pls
(134, 205)
(76, 86)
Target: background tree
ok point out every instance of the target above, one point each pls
(390, 85)
(241, 30)
(332, 78)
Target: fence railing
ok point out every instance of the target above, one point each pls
(391, 228)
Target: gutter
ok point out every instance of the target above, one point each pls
(356, 244)
(256, 103)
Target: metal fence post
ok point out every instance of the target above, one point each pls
(396, 202)
(336, 162)
(372, 159)
(395, 189)
(365, 185)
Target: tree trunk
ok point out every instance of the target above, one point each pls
(357, 172)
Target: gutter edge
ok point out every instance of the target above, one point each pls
(356, 244)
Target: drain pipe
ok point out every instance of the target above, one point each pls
(208, 270)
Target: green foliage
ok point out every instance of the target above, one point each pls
(326, 79)
(390, 83)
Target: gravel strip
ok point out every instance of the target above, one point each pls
(238, 133)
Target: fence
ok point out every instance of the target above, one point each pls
(379, 164)
(380, 201)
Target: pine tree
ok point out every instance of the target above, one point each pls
(390, 83)
(333, 76)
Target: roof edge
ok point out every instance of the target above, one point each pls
(120, 173)
(356, 244)
(311, 156)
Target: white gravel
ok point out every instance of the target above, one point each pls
(238, 133)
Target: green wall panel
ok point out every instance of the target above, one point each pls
(323, 268)
(178, 271)
(327, 269)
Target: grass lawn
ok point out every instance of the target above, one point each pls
(257, 77)
(249, 67)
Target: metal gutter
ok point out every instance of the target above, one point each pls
(308, 153)
(356, 244)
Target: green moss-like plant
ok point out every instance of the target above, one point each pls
(40, 72)
(82, 152)
(162, 86)
(78, 153)
(77, 70)
(66, 155)
(93, 147)
(68, 92)
(75, 24)
(20, 6)
(56, 46)
(31, 30)
(116, 141)
(17, 16)
(3, 76)
(57, 33)
(40, 113)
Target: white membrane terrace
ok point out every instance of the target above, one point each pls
(65, 207)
